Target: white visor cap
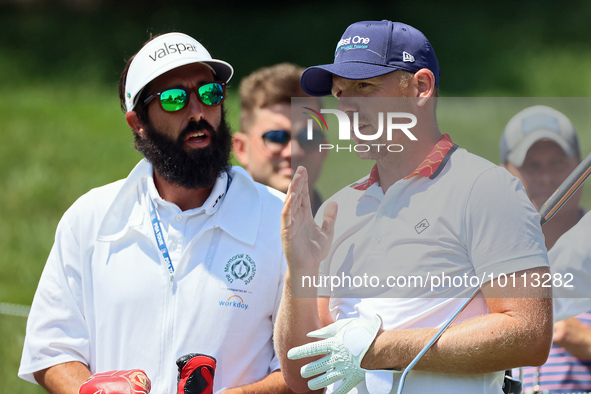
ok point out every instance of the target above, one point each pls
(534, 124)
(164, 53)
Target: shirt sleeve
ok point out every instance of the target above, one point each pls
(503, 228)
(56, 330)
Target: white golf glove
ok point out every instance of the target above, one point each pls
(345, 344)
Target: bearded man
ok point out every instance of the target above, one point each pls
(183, 256)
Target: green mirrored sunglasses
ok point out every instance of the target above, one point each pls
(175, 99)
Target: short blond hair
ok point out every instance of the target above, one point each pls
(268, 86)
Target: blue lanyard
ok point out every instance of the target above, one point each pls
(160, 238)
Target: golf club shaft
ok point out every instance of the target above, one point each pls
(570, 185)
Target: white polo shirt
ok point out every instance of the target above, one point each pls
(457, 216)
(106, 297)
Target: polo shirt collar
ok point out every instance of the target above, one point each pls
(430, 167)
(211, 204)
(240, 213)
(129, 210)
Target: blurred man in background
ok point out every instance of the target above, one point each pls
(540, 146)
(268, 145)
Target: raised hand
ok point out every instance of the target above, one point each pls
(305, 243)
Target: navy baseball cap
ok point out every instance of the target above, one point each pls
(370, 49)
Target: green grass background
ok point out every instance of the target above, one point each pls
(63, 132)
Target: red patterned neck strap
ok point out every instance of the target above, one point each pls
(429, 168)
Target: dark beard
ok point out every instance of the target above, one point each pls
(198, 168)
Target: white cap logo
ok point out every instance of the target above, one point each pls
(407, 57)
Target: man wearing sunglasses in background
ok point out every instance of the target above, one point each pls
(183, 256)
(268, 145)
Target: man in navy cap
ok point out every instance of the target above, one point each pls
(411, 242)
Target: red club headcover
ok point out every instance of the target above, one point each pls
(134, 381)
(196, 373)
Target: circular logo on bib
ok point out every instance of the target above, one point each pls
(240, 267)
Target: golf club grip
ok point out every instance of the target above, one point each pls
(570, 185)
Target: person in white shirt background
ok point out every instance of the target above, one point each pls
(540, 146)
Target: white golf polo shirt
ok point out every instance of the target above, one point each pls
(107, 299)
(456, 216)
